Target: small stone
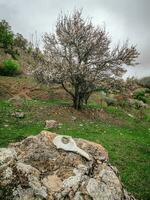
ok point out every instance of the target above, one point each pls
(51, 124)
(18, 114)
(6, 125)
(73, 118)
(130, 115)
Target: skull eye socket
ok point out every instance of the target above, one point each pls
(65, 140)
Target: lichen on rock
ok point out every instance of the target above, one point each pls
(50, 166)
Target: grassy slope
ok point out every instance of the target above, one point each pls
(126, 139)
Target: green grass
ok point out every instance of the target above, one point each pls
(128, 150)
(128, 144)
(52, 102)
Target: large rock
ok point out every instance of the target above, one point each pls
(50, 166)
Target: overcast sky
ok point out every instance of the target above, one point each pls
(124, 19)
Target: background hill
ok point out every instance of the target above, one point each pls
(145, 81)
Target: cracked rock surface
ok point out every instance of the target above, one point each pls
(50, 166)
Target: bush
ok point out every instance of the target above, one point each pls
(139, 104)
(123, 103)
(111, 101)
(9, 68)
(140, 95)
(147, 90)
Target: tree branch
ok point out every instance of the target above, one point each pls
(69, 92)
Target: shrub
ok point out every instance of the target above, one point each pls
(123, 103)
(147, 90)
(111, 101)
(9, 67)
(140, 95)
(139, 104)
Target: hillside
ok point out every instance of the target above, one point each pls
(125, 133)
(145, 81)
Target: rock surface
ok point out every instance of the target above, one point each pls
(50, 166)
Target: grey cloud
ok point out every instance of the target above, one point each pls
(123, 19)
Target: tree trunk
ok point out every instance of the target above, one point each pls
(77, 103)
(86, 97)
(77, 97)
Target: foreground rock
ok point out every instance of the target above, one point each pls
(50, 166)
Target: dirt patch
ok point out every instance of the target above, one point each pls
(28, 88)
(4, 93)
(68, 114)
